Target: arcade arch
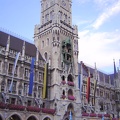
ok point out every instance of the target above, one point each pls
(14, 117)
(31, 118)
(46, 118)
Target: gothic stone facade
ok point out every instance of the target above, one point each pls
(56, 40)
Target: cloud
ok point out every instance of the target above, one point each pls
(110, 11)
(99, 47)
(82, 1)
(104, 3)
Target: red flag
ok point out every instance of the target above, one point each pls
(88, 89)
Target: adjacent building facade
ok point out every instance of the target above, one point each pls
(57, 92)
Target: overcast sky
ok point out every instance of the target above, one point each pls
(98, 24)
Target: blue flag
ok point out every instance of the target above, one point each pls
(13, 71)
(70, 116)
(102, 117)
(80, 79)
(31, 76)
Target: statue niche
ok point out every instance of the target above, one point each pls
(67, 51)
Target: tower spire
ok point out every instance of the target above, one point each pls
(115, 72)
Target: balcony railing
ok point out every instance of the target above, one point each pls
(71, 97)
(33, 109)
(28, 108)
(63, 96)
(3, 105)
(95, 115)
(48, 111)
(15, 107)
(63, 82)
(70, 83)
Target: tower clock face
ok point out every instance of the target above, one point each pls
(63, 3)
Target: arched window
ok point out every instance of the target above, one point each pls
(47, 41)
(63, 92)
(63, 78)
(70, 92)
(46, 56)
(70, 107)
(70, 95)
(42, 44)
(51, 15)
(70, 78)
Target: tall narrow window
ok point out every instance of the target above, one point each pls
(51, 15)
(25, 88)
(29, 103)
(46, 17)
(46, 56)
(47, 41)
(61, 15)
(66, 18)
(26, 72)
(8, 84)
(10, 68)
(13, 100)
(39, 91)
(14, 87)
(42, 44)
(40, 76)
(16, 69)
(53, 38)
(57, 38)
(19, 92)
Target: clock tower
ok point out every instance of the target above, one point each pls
(57, 41)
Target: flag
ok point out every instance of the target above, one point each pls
(95, 84)
(103, 117)
(70, 116)
(88, 88)
(45, 81)
(31, 76)
(80, 79)
(13, 71)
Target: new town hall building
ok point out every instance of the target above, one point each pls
(56, 43)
